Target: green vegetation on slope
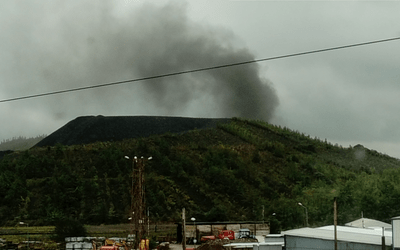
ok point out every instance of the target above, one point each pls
(20, 143)
(234, 172)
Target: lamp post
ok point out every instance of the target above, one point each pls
(195, 231)
(263, 213)
(306, 212)
(27, 232)
(273, 225)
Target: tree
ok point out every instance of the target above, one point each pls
(68, 227)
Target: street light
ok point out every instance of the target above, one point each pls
(195, 231)
(306, 212)
(27, 231)
(127, 157)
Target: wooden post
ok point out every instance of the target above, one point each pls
(335, 220)
(183, 229)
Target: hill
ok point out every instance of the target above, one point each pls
(90, 129)
(237, 170)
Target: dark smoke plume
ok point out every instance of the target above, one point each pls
(67, 44)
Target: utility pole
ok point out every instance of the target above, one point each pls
(335, 221)
(263, 213)
(183, 229)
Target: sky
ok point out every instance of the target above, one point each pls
(348, 96)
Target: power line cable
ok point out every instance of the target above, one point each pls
(198, 70)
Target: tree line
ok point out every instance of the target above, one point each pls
(20, 143)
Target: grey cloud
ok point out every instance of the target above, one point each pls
(56, 45)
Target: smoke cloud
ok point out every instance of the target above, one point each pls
(52, 45)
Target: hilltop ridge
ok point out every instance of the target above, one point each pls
(90, 129)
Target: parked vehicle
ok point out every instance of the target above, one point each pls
(226, 234)
(222, 234)
(245, 233)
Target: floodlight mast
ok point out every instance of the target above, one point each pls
(195, 230)
(138, 204)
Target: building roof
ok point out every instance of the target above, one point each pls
(348, 234)
(365, 222)
(251, 244)
(188, 222)
(241, 245)
(369, 231)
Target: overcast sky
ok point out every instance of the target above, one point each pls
(348, 96)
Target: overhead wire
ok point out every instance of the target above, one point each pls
(198, 70)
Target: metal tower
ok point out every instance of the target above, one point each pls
(138, 201)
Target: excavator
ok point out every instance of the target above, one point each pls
(111, 245)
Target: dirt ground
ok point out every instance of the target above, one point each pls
(178, 246)
(215, 245)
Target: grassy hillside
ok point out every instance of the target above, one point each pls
(242, 170)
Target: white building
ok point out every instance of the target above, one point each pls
(348, 238)
(366, 234)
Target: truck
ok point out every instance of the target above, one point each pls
(226, 234)
(244, 233)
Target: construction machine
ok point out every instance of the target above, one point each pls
(110, 244)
